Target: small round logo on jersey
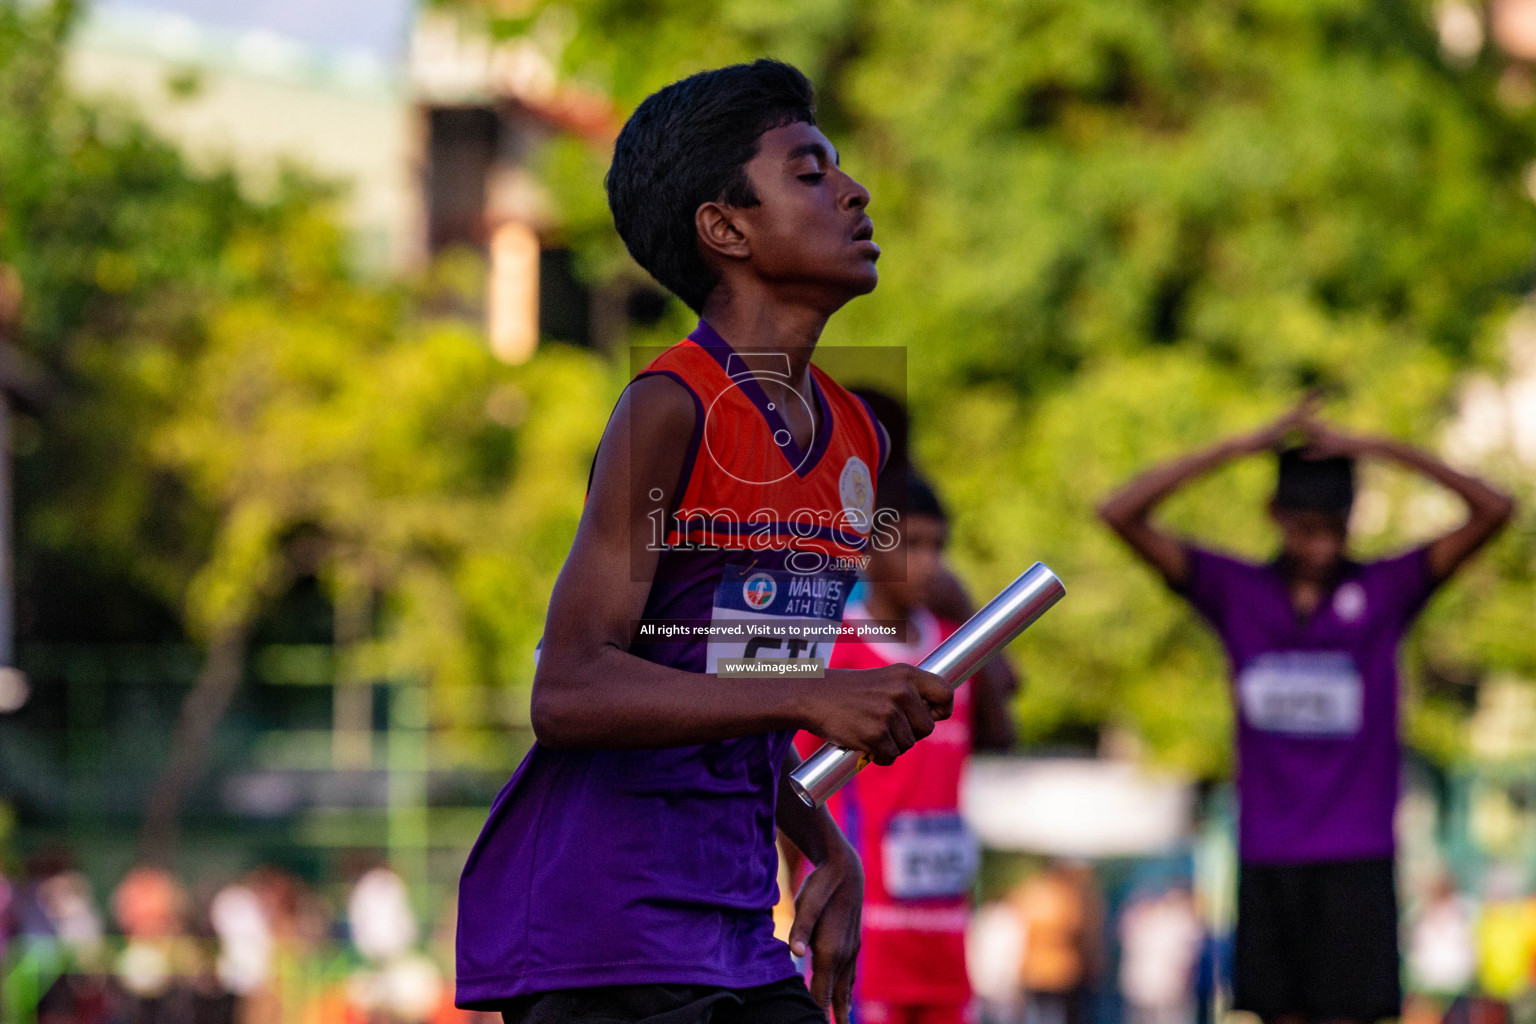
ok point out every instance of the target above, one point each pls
(759, 590)
(1349, 601)
(856, 488)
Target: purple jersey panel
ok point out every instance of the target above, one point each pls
(1315, 701)
(630, 867)
(659, 866)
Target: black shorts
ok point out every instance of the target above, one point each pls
(1318, 941)
(783, 1002)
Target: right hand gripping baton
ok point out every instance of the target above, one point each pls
(967, 649)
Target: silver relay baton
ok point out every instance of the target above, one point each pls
(967, 649)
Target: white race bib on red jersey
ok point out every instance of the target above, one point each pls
(929, 855)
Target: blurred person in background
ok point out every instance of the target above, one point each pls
(1160, 945)
(150, 908)
(1442, 943)
(300, 920)
(920, 860)
(1312, 639)
(943, 593)
(244, 935)
(994, 951)
(1213, 970)
(1062, 919)
(81, 995)
(299, 923)
(54, 912)
(1506, 935)
(213, 1001)
(30, 917)
(66, 898)
(398, 983)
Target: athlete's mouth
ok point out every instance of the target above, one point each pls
(864, 237)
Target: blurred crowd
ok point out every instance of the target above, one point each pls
(269, 949)
(1051, 953)
(263, 949)
(1470, 953)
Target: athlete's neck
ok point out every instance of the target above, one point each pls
(1308, 590)
(756, 323)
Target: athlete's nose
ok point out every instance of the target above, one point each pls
(857, 196)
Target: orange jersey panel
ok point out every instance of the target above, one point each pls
(749, 486)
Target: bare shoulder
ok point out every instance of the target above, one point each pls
(644, 445)
(658, 408)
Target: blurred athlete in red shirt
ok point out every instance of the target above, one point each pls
(904, 818)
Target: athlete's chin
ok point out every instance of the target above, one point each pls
(863, 281)
(855, 268)
(836, 286)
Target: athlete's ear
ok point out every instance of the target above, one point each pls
(719, 233)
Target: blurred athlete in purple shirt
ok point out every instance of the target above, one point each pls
(1312, 639)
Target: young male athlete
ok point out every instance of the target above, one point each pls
(1312, 638)
(627, 871)
(904, 819)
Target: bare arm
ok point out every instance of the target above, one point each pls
(829, 906)
(590, 691)
(1129, 510)
(1488, 509)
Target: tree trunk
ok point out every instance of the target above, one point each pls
(201, 711)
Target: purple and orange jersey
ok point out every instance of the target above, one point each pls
(625, 867)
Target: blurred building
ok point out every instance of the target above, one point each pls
(427, 124)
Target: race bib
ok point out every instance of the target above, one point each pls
(929, 856)
(1302, 693)
(766, 614)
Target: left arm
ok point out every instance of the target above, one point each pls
(829, 904)
(1488, 509)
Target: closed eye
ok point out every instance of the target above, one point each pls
(813, 177)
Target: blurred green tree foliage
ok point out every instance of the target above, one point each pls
(1115, 231)
(1112, 232)
(236, 411)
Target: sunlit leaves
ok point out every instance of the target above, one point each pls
(1115, 231)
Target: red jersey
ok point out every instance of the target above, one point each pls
(919, 859)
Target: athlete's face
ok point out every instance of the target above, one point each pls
(1313, 542)
(905, 573)
(810, 229)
